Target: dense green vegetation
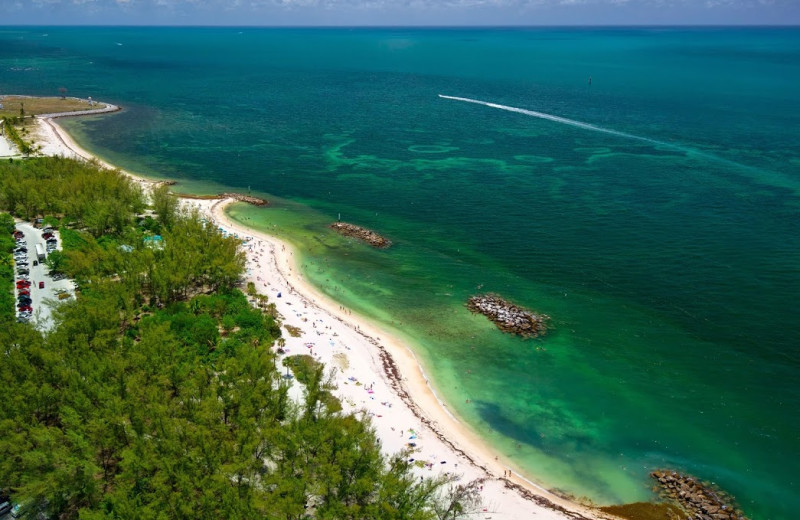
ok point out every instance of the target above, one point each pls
(90, 197)
(311, 373)
(157, 396)
(6, 267)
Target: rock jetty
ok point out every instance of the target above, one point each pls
(255, 201)
(507, 316)
(699, 501)
(368, 236)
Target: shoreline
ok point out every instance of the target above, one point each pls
(380, 358)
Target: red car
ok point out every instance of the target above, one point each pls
(24, 292)
(25, 308)
(22, 284)
(41, 285)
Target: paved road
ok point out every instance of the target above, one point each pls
(43, 299)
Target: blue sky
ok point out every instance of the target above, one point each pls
(399, 12)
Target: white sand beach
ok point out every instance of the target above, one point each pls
(6, 148)
(375, 374)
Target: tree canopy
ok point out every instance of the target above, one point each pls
(157, 396)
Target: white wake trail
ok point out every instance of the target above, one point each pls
(563, 120)
(755, 173)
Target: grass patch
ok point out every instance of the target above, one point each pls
(293, 331)
(341, 361)
(72, 240)
(646, 511)
(44, 105)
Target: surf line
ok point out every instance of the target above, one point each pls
(564, 120)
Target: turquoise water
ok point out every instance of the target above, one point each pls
(656, 223)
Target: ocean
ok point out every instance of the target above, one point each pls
(641, 186)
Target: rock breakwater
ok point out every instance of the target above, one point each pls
(255, 201)
(699, 501)
(364, 234)
(507, 316)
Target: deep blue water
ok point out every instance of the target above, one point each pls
(663, 239)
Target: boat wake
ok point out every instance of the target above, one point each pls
(564, 120)
(754, 173)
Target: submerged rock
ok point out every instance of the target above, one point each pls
(367, 235)
(507, 316)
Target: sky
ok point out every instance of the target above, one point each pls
(399, 12)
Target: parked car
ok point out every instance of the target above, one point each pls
(21, 250)
(25, 308)
(23, 283)
(24, 292)
(23, 271)
(5, 507)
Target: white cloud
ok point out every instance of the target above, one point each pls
(471, 12)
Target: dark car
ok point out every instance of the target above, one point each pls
(21, 250)
(5, 507)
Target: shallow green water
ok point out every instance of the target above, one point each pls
(667, 257)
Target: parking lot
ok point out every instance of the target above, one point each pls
(43, 299)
